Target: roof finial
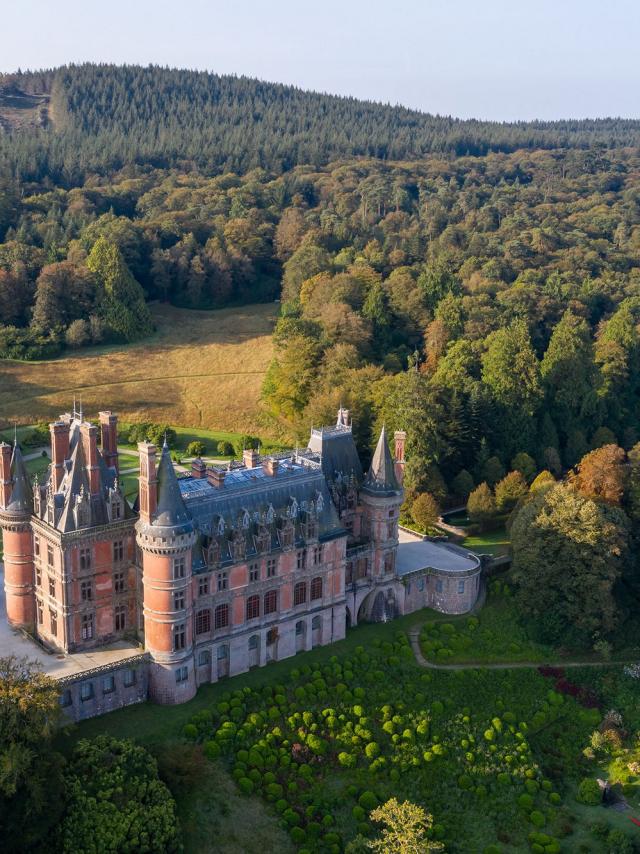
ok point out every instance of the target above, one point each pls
(80, 412)
(15, 433)
(164, 444)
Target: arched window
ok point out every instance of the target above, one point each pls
(271, 602)
(300, 593)
(254, 642)
(316, 588)
(203, 621)
(300, 627)
(316, 623)
(253, 607)
(221, 618)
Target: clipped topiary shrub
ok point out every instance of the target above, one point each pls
(589, 792)
(368, 801)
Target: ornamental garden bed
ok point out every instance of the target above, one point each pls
(329, 743)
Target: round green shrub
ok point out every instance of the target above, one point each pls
(211, 749)
(589, 792)
(297, 835)
(368, 801)
(537, 819)
(190, 731)
(292, 818)
(245, 785)
(372, 750)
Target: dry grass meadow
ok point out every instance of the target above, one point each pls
(200, 369)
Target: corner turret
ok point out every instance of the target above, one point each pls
(16, 507)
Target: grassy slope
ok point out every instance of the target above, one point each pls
(202, 368)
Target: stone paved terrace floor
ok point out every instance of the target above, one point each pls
(58, 665)
(416, 553)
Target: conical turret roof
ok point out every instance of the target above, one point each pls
(171, 511)
(381, 477)
(21, 493)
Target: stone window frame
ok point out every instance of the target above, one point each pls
(86, 590)
(300, 593)
(301, 560)
(130, 678)
(461, 586)
(120, 618)
(204, 657)
(221, 616)
(86, 691)
(272, 567)
(203, 586)
(87, 626)
(203, 621)
(108, 684)
(36, 546)
(252, 607)
(179, 599)
(222, 580)
(182, 674)
(38, 577)
(118, 551)
(39, 612)
(84, 557)
(179, 567)
(270, 605)
(66, 699)
(53, 622)
(119, 582)
(439, 585)
(316, 588)
(52, 587)
(254, 572)
(50, 560)
(179, 636)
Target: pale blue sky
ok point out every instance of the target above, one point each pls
(497, 59)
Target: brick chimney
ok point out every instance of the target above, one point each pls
(109, 438)
(148, 481)
(400, 437)
(59, 449)
(5, 474)
(251, 458)
(216, 477)
(270, 466)
(89, 434)
(198, 468)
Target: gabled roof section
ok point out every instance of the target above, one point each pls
(381, 478)
(171, 511)
(74, 480)
(21, 493)
(337, 451)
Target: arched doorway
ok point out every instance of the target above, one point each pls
(223, 661)
(378, 607)
(301, 635)
(316, 631)
(254, 651)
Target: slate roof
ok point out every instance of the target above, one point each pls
(21, 495)
(381, 478)
(171, 513)
(337, 452)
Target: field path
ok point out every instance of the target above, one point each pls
(414, 638)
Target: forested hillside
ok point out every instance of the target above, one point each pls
(487, 303)
(104, 117)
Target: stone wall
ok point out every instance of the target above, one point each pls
(106, 688)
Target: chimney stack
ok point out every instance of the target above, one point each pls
(270, 466)
(216, 477)
(198, 468)
(89, 434)
(148, 481)
(6, 484)
(251, 458)
(59, 449)
(109, 438)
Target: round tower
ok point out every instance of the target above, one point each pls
(16, 507)
(166, 535)
(381, 497)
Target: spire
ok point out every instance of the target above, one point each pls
(21, 493)
(381, 476)
(170, 512)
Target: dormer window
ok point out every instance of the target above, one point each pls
(246, 520)
(239, 546)
(319, 503)
(82, 509)
(271, 514)
(293, 508)
(285, 535)
(213, 553)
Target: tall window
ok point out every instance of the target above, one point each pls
(223, 580)
(178, 567)
(120, 617)
(86, 591)
(302, 558)
(119, 582)
(38, 577)
(85, 558)
(52, 587)
(49, 554)
(221, 617)
(461, 586)
(271, 602)
(36, 545)
(178, 600)
(203, 586)
(204, 657)
(300, 593)
(118, 551)
(254, 571)
(316, 588)
(182, 674)
(108, 684)
(317, 555)
(203, 621)
(53, 621)
(388, 562)
(271, 567)
(253, 607)
(87, 626)
(179, 636)
(40, 612)
(349, 573)
(129, 678)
